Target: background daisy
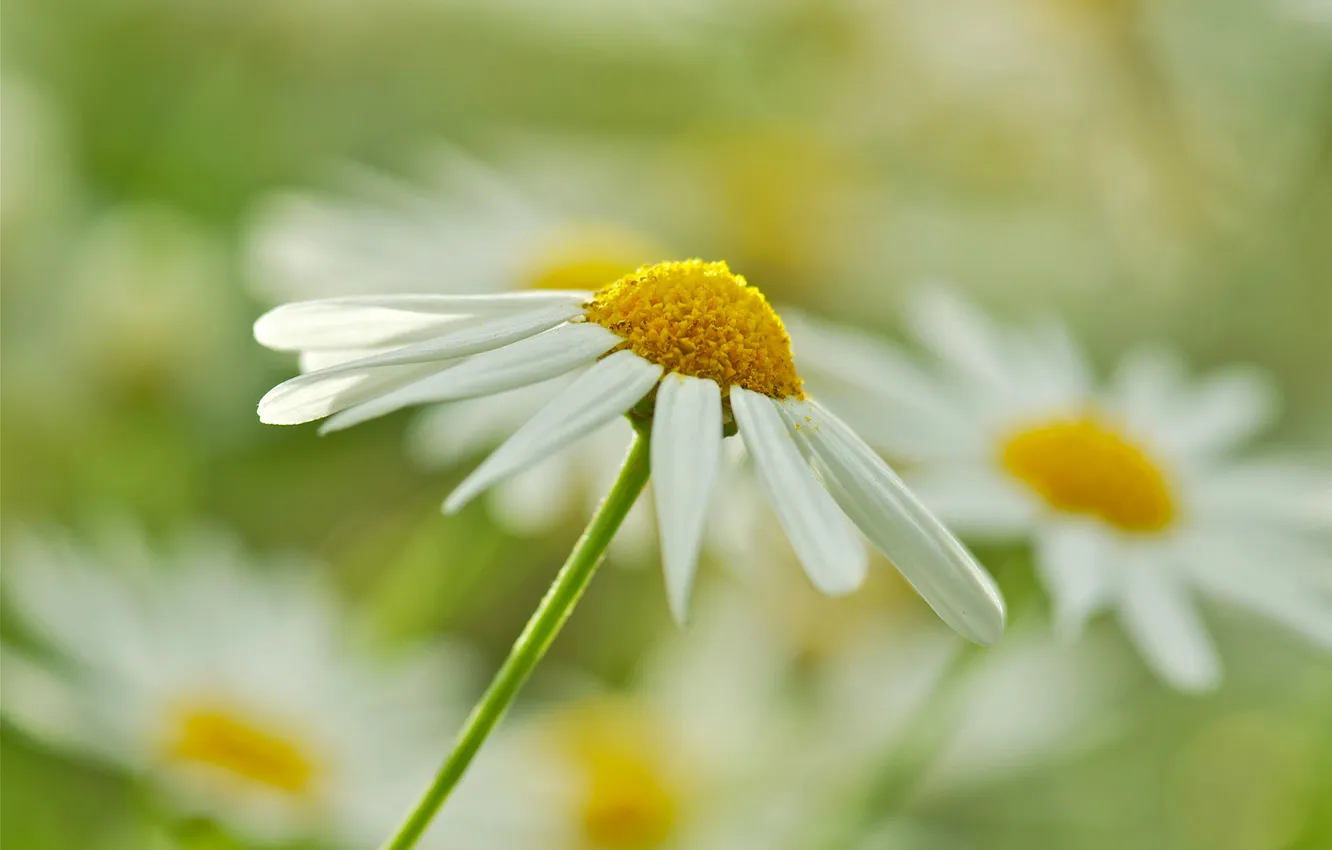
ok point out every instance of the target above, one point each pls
(237, 696)
(1133, 497)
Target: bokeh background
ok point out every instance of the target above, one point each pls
(1147, 170)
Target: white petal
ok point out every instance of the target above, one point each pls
(313, 361)
(318, 394)
(470, 336)
(939, 567)
(327, 391)
(961, 335)
(1223, 410)
(1162, 620)
(371, 321)
(604, 391)
(1249, 574)
(822, 538)
(1071, 559)
(686, 447)
(46, 706)
(542, 357)
(975, 499)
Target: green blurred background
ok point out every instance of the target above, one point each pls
(1149, 170)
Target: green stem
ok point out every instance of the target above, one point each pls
(535, 639)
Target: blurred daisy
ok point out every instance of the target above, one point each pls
(233, 693)
(684, 757)
(688, 346)
(1132, 497)
(905, 717)
(472, 230)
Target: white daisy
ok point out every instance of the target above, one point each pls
(471, 230)
(687, 346)
(1132, 497)
(905, 724)
(234, 693)
(689, 755)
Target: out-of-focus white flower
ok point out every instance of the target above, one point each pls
(235, 693)
(904, 724)
(691, 755)
(688, 346)
(469, 229)
(1132, 497)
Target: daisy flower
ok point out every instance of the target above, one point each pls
(1133, 496)
(687, 347)
(230, 691)
(688, 755)
(467, 230)
(690, 352)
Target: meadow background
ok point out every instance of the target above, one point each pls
(1146, 170)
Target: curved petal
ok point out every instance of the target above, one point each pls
(604, 391)
(822, 538)
(528, 361)
(686, 447)
(939, 567)
(373, 321)
(315, 395)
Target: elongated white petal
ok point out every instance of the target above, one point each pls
(313, 361)
(604, 391)
(1162, 620)
(335, 388)
(820, 534)
(469, 336)
(686, 447)
(372, 321)
(315, 395)
(528, 361)
(1073, 563)
(939, 567)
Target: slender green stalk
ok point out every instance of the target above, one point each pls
(535, 639)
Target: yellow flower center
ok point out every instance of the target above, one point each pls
(1080, 466)
(628, 797)
(588, 256)
(223, 738)
(699, 319)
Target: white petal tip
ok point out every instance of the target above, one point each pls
(456, 501)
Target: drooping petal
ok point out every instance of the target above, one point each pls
(822, 538)
(606, 390)
(315, 395)
(939, 567)
(1071, 559)
(686, 447)
(372, 321)
(1163, 622)
(539, 358)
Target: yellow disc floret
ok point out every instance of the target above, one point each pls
(1082, 466)
(699, 319)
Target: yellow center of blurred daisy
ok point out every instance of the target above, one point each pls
(699, 319)
(1080, 466)
(629, 799)
(589, 256)
(225, 739)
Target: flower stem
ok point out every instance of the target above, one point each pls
(535, 639)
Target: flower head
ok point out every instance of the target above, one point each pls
(686, 345)
(1133, 495)
(227, 690)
